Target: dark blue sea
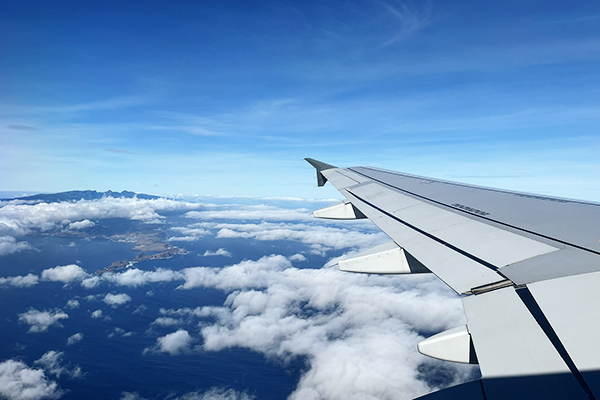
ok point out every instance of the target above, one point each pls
(111, 353)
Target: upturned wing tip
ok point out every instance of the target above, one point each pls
(320, 166)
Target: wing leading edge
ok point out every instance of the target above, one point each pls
(526, 266)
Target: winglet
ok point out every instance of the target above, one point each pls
(320, 166)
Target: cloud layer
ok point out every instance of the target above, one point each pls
(17, 219)
(358, 332)
(20, 382)
(40, 321)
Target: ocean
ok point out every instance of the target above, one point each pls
(255, 309)
(111, 354)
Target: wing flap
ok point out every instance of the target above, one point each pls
(341, 210)
(388, 258)
(457, 270)
(451, 345)
(571, 306)
(507, 339)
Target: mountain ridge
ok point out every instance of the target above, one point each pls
(75, 195)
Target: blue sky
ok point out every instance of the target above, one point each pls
(228, 97)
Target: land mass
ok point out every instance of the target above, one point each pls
(144, 242)
(75, 195)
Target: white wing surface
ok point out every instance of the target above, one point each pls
(527, 267)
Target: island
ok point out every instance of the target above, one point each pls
(145, 243)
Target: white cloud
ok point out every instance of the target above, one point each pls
(40, 321)
(211, 394)
(131, 396)
(173, 343)
(260, 212)
(190, 234)
(75, 338)
(216, 394)
(20, 281)
(138, 277)
(86, 223)
(73, 303)
(115, 300)
(245, 274)
(140, 310)
(18, 219)
(167, 321)
(65, 273)
(90, 282)
(219, 252)
(97, 314)
(182, 238)
(297, 257)
(9, 244)
(52, 362)
(19, 382)
(318, 236)
(120, 332)
(358, 332)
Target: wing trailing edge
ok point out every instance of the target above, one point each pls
(341, 210)
(451, 345)
(388, 258)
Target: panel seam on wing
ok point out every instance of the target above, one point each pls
(476, 215)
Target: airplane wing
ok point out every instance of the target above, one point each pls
(527, 268)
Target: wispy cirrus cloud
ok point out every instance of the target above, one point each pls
(410, 19)
(118, 151)
(98, 105)
(22, 127)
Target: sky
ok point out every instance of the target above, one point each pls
(226, 98)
